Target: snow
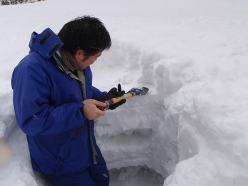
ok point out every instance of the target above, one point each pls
(190, 129)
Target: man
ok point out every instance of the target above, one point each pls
(52, 96)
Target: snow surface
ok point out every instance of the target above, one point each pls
(190, 129)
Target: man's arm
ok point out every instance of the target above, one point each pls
(34, 112)
(97, 92)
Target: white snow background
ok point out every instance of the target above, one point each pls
(190, 129)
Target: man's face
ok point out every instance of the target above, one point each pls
(84, 62)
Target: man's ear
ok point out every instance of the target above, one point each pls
(79, 53)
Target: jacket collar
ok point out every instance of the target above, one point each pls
(60, 64)
(46, 43)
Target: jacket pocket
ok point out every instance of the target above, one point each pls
(65, 147)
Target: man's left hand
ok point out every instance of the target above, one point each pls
(113, 93)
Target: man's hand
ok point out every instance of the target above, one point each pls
(113, 93)
(90, 109)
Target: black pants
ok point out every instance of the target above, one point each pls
(96, 175)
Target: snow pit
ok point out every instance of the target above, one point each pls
(132, 143)
(139, 133)
(134, 176)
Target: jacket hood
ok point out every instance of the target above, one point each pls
(46, 43)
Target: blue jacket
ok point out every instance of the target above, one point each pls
(47, 106)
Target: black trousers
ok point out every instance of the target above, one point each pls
(96, 175)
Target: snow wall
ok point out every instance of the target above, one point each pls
(190, 127)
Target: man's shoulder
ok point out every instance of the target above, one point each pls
(31, 59)
(34, 62)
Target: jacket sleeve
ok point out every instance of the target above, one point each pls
(97, 92)
(34, 112)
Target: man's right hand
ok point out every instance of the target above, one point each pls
(90, 109)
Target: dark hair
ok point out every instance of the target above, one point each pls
(86, 33)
